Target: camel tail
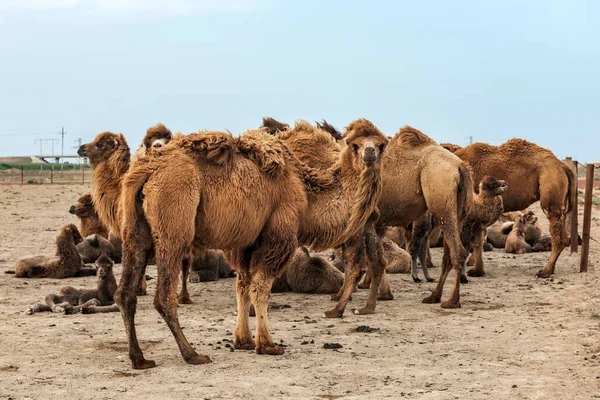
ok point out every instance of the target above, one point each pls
(464, 192)
(365, 206)
(134, 223)
(572, 189)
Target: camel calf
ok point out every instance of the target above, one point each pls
(70, 300)
(515, 242)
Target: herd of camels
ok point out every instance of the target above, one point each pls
(255, 199)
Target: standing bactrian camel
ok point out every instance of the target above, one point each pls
(248, 196)
(533, 173)
(419, 175)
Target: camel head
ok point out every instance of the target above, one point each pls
(104, 265)
(530, 217)
(365, 144)
(72, 230)
(84, 207)
(157, 136)
(103, 147)
(493, 186)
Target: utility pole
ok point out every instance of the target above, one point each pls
(41, 154)
(62, 153)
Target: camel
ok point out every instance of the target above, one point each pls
(65, 264)
(499, 230)
(419, 176)
(110, 159)
(515, 242)
(543, 243)
(89, 221)
(210, 267)
(534, 173)
(93, 246)
(532, 230)
(308, 273)
(71, 301)
(249, 196)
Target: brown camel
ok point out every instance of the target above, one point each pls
(533, 173)
(65, 264)
(89, 221)
(515, 242)
(71, 301)
(110, 157)
(532, 230)
(419, 175)
(249, 196)
(93, 246)
(499, 230)
(309, 274)
(210, 267)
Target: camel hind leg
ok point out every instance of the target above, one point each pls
(184, 295)
(377, 264)
(559, 239)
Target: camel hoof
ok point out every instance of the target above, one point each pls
(364, 311)
(417, 280)
(244, 344)
(333, 314)
(543, 274)
(430, 279)
(271, 350)
(385, 296)
(29, 310)
(450, 304)
(143, 364)
(60, 310)
(185, 300)
(197, 359)
(463, 279)
(476, 272)
(430, 300)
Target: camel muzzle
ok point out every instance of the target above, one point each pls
(82, 152)
(72, 210)
(369, 155)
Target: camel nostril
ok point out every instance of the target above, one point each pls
(370, 150)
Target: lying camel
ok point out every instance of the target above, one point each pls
(89, 301)
(93, 246)
(515, 242)
(499, 230)
(250, 196)
(210, 267)
(65, 264)
(309, 274)
(89, 221)
(534, 173)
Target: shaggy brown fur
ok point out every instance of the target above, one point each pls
(487, 208)
(93, 246)
(89, 221)
(515, 243)
(272, 126)
(249, 196)
(534, 173)
(70, 300)
(210, 267)
(309, 274)
(65, 264)
(420, 175)
(327, 127)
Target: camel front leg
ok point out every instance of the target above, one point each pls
(478, 271)
(260, 288)
(242, 334)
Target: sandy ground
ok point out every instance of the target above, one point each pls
(515, 337)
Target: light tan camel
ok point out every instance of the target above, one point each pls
(419, 175)
(248, 196)
(515, 242)
(533, 173)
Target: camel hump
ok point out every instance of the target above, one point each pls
(413, 138)
(327, 127)
(211, 146)
(451, 147)
(273, 126)
(266, 151)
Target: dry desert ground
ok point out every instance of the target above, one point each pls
(515, 336)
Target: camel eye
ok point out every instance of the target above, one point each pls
(355, 147)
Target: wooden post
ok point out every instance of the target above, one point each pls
(52, 173)
(22, 174)
(574, 212)
(82, 175)
(587, 217)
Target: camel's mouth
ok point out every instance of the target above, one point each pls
(72, 210)
(82, 152)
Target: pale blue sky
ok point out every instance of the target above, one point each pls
(489, 69)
